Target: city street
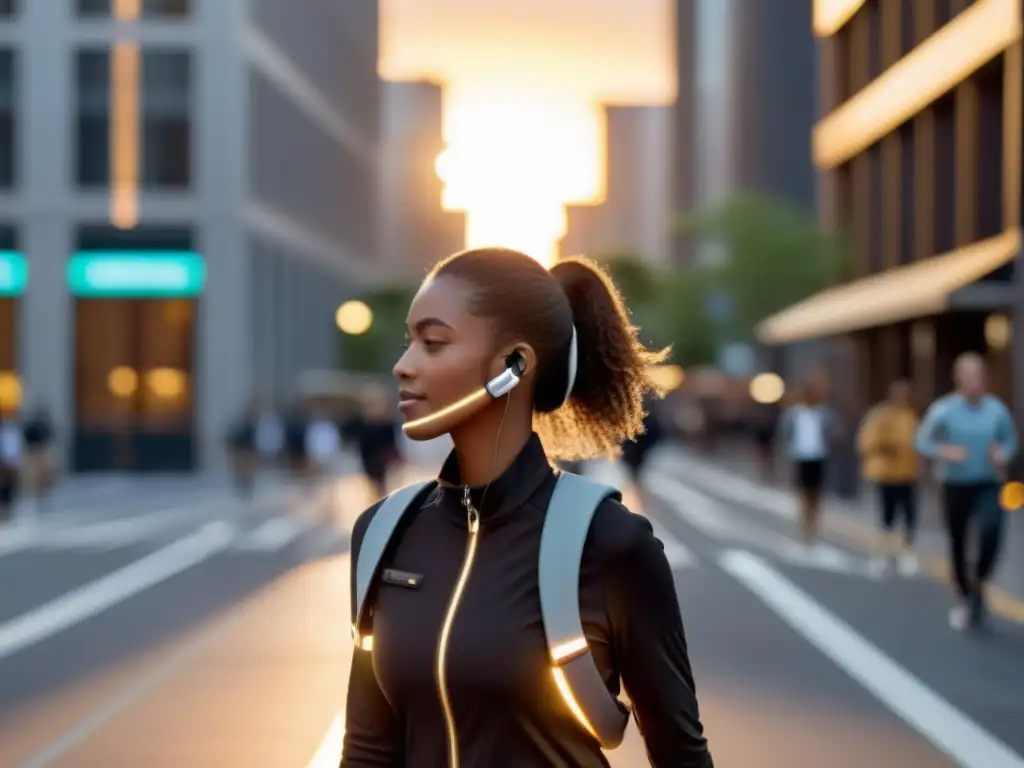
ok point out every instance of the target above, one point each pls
(222, 639)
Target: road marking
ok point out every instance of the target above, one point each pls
(273, 535)
(677, 553)
(709, 516)
(328, 754)
(611, 473)
(922, 709)
(117, 586)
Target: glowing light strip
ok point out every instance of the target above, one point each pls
(570, 701)
(831, 15)
(904, 293)
(941, 62)
(124, 135)
(124, 122)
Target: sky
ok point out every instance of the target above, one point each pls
(524, 81)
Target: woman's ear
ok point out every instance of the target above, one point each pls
(521, 357)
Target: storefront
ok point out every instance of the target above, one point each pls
(135, 316)
(13, 281)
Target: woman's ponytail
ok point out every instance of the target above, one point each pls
(606, 404)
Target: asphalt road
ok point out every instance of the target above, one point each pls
(221, 638)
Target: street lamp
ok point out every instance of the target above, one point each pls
(354, 318)
(767, 389)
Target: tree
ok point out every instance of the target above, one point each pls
(377, 350)
(668, 305)
(776, 254)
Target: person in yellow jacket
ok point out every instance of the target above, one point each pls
(890, 461)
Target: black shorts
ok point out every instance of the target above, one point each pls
(810, 475)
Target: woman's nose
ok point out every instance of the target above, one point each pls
(403, 370)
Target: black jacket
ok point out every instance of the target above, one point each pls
(506, 709)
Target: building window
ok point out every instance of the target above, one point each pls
(7, 99)
(989, 211)
(873, 13)
(876, 211)
(943, 12)
(908, 26)
(151, 9)
(167, 127)
(93, 150)
(945, 174)
(907, 190)
(166, 124)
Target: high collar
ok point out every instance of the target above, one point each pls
(505, 493)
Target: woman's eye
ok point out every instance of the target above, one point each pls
(432, 345)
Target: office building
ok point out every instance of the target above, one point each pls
(918, 151)
(683, 152)
(415, 230)
(634, 216)
(187, 191)
(754, 103)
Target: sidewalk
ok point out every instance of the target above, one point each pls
(735, 475)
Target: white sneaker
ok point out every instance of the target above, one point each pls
(908, 565)
(878, 567)
(959, 617)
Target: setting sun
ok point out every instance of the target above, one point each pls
(524, 83)
(512, 164)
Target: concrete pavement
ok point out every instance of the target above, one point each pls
(801, 659)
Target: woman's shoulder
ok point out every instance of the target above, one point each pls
(366, 517)
(619, 535)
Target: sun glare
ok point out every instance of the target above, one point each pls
(513, 164)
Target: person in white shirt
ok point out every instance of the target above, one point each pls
(807, 431)
(10, 465)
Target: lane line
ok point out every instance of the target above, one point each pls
(949, 729)
(99, 595)
(710, 517)
(611, 473)
(677, 553)
(328, 754)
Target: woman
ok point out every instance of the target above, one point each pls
(809, 428)
(458, 674)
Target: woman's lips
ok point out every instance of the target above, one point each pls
(409, 403)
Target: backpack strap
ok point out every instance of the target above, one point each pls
(375, 541)
(572, 507)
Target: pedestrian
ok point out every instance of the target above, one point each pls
(560, 351)
(889, 460)
(808, 430)
(375, 434)
(972, 437)
(11, 445)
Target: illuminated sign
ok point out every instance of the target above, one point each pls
(136, 274)
(13, 273)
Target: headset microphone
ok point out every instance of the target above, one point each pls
(445, 419)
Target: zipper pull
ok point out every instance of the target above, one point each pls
(472, 515)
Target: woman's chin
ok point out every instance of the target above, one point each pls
(420, 427)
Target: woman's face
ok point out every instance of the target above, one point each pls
(449, 350)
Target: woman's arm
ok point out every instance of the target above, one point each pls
(372, 735)
(651, 651)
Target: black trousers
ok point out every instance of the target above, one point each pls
(899, 500)
(978, 502)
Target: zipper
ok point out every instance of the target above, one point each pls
(473, 521)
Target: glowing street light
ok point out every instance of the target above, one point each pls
(354, 318)
(767, 388)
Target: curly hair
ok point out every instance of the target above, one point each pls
(540, 307)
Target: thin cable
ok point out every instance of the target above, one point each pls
(494, 458)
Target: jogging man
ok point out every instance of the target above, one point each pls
(972, 435)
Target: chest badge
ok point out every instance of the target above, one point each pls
(405, 579)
